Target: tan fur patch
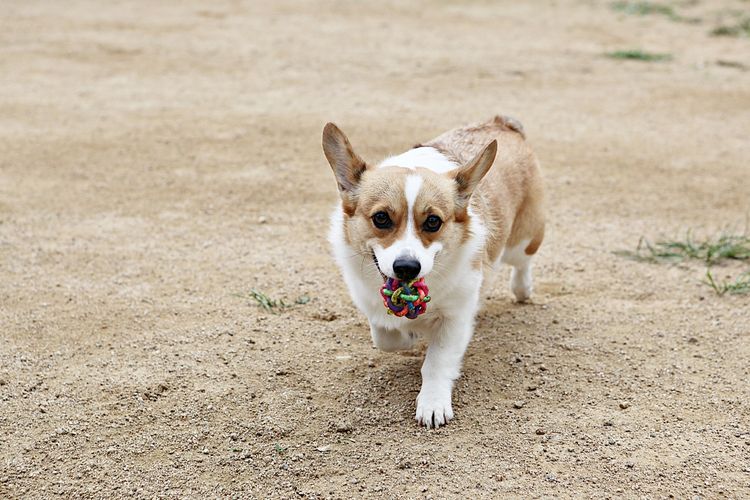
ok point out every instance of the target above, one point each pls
(510, 197)
(380, 189)
(435, 198)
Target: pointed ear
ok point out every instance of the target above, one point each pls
(468, 176)
(346, 164)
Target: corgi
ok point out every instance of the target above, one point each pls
(448, 210)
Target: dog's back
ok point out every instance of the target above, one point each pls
(510, 197)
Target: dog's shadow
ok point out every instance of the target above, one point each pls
(383, 391)
(385, 388)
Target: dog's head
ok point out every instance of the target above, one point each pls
(405, 218)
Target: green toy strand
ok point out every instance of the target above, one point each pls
(407, 298)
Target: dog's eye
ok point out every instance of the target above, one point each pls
(382, 220)
(432, 224)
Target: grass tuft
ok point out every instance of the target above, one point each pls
(740, 286)
(742, 28)
(644, 9)
(279, 448)
(710, 251)
(273, 305)
(638, 55)
(267, 302)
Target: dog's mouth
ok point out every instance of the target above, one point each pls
(377, 266)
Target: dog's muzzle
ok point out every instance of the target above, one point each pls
(377, 266)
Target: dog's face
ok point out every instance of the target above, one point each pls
(405, 218)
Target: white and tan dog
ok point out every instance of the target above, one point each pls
(447, 210)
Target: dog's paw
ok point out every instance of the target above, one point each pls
(521, 284)
(434, 408)
(391, 340)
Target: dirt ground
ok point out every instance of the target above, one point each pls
(158, 160)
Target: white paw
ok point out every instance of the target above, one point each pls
(521, 284)
(434, 408)
(391, 340)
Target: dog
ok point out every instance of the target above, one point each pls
(448, 211)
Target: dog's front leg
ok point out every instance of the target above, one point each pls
(441, 367)
(391, 340)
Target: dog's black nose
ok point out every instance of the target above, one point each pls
(406, 269)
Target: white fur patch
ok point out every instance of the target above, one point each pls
(521, 283)
(516, 256)
(411, 190)
(425, 157)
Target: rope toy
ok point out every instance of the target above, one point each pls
(403, 298)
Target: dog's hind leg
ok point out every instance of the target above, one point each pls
(521, 282)
(525, 238)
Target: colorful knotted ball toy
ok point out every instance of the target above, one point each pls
(405, 298)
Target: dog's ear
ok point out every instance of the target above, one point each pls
(346, 164)
(468, 176)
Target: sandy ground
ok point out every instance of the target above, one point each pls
(160, 159)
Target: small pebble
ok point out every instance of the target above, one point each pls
(541, 432)
(262, 219)
(344, 427)
(624, 405)
(609, 423)
(519, 404)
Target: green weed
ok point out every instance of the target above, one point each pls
(638, 55)
(711, 251)
(740, 286)
(742, 28)
(644, 8)
(273, 305)
(279, 449)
